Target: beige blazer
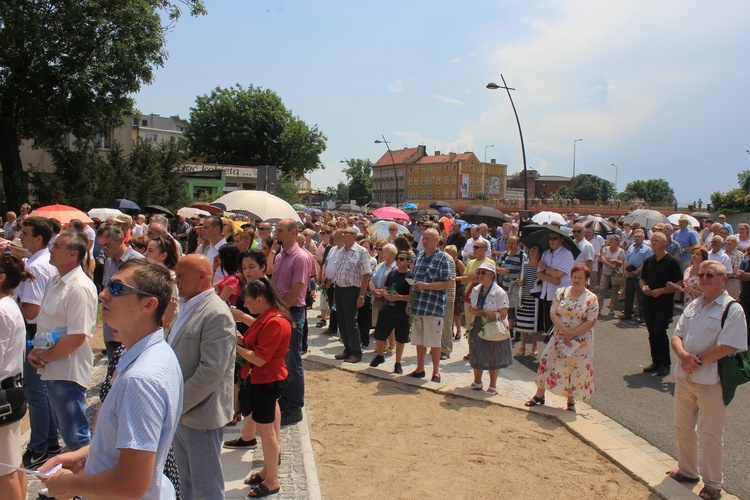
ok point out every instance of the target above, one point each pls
(205, 347)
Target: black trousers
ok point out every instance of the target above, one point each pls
(633, 292)
(657, 322)
(364, 321)
(346, 308)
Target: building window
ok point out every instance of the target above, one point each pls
(429, 194)
(103, 140)
(437, 180)
(423, 194)
(430, 169)
(454, 180)
(438, 168)
(424, 181)
(454, 168)
(410, 182)
(471, 169)
(471, 181)
(447, 193)
(410, 169)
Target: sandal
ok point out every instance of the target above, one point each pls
(254, 480)
(320, 324)
(521, 352)
(476, 386)
(681, 478)
(492, 390)
(262, 491)
(534, 352)
(708, 493)
(534, 401)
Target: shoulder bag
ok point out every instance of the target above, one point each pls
(733, 370)
(12, 400)
(494, 330)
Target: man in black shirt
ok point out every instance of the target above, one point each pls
(455, 237)
(660, 272)
(392, 315)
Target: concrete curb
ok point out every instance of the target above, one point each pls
(635, 456)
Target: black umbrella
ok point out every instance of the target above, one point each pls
(440, 204)
(158, 209)
(374, 204)
(482, 214)
(123, 204)
(422, 213)
(538, 234)
(601, 226)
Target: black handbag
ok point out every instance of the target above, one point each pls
(12, 400)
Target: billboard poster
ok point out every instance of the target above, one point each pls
(463, 185)
(494, 184)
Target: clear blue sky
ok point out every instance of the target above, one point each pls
(657, 88)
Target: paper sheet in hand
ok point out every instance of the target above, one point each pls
(569, 350)
(410, 281)
(675, 286)
(43, 475)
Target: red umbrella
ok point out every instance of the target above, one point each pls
(63, 213)
(390, 213)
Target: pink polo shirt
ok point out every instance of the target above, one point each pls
(292, 266)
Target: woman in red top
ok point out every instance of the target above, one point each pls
(230, 286)
(266, 343)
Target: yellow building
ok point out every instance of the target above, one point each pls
(454, 177)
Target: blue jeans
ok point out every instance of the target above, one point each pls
(68, 402)
(295, 390)
(43, 429)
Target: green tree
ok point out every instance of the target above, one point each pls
(70, 66)
(652, 190)
(744, 180)
(359, 175)
(84, 178)
(252, 126)
(338, 193)
(591, 187)
(286, 189)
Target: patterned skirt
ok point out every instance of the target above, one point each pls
(488, 355)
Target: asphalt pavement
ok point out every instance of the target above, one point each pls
(643, 402)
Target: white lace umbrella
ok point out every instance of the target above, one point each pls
(189, 212)
(547, 217)
(103, 213)
(266, 206)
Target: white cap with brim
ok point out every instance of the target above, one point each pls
(487, 266)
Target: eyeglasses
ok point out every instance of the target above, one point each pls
(401, 259)
(264, 228)
(554, 238)
(479, 246)
(482, 272)
(708, 276)
(118, 288)
(349, 232)
(106, 246)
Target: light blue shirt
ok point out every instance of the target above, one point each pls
(636, 256)
(141, 411)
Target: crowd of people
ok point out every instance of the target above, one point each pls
(205, 325)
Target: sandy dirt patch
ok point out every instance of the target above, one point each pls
(375, 438)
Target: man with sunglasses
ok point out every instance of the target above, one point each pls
(660, 278)
(710, 328)
(138, 419)
(70, 303)
(112, 241)
(587, 255)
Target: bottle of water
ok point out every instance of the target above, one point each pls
(47, 340)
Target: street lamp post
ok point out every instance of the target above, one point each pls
(495, 86)
(485, 151)
(393, 162)
(573, 180)
(615, 178)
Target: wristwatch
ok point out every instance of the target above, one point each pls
(361, 296)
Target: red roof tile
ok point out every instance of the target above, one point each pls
(445, 158)
(400, 156)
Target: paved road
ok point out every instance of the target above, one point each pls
(643, 402)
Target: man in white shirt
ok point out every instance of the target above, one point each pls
(328, 271)
(468, 251)
(44, 440)
(718, 255)
(70, 303)
(700, 340)
(212, 227)
(587, 257)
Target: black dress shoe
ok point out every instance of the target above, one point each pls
(397, 369)
(343, 355)
(290, 418)
(663, 371)
(377, 360)
(653, 367)
(417, 374)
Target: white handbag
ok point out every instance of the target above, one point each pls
(494, 330)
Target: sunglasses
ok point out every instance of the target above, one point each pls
(264, 228)
(708, 276)
(118, 288)
(554, 238)
(479, 246)
(482, 272)
(577, 230)
(401, 259)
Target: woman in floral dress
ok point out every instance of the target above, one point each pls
(690, 282)
(567, 364)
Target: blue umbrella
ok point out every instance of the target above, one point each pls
(314, 211)
(463, 224)
(410, 206)
(446, 210)
(123, 204)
